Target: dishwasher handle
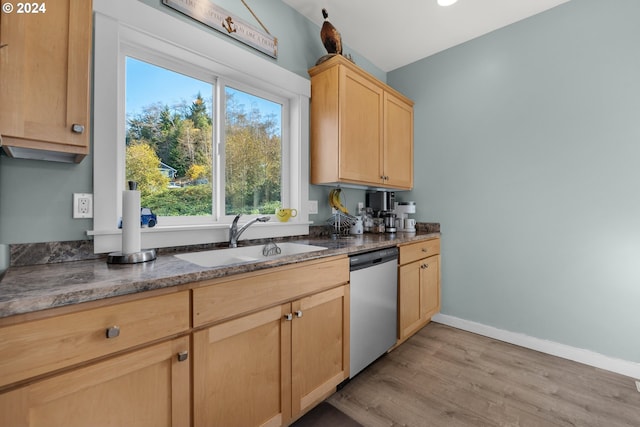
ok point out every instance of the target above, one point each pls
(369, 259)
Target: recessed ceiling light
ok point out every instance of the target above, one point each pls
(446, 2)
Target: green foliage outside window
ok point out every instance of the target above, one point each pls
(253, 161)
(181, 138)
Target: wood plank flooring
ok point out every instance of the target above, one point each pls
(444, 376)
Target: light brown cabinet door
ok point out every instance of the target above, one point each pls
(429, 286)
(361, 106)
(44, 77)
(409, 310)
(320, 345)
(31, 349)
(147, 387)
(398, 142)
(242, 371)
(418, 294)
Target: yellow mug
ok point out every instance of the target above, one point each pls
(284, 214)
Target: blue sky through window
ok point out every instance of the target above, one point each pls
(149, 84)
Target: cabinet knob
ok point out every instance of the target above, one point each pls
(77, 128)
(288, 316)
(299, 313)
(425, 250)
(182, 356)
(113, 332)
(423, 266)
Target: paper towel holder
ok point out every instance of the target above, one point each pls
(143, 255)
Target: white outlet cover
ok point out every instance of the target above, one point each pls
(82, 205)
(313, 206)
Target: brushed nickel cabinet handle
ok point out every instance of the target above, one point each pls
(113, 332)
(299, 313)
(77, 128)
(182, 356)
(288, 316)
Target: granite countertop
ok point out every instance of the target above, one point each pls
(25, 289)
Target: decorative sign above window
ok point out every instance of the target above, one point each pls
(214, 16)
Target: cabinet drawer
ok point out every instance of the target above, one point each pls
(235, 297)
(33, 348)
(415, 251)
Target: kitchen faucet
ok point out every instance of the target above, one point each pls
(235, 232)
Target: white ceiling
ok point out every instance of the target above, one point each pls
(394, 34)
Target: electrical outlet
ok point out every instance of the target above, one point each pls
(313, 206)
(82, 205)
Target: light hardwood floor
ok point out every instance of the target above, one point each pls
(443, 376)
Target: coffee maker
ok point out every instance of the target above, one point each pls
(403, 210)
(380, 201)
(381, 204)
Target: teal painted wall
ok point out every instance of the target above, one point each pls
(36, 196)
(527, 150)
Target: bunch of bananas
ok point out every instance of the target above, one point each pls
(334, 201)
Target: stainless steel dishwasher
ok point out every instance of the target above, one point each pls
(374, 306)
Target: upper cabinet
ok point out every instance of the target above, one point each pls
(361, 129)
(45, 64)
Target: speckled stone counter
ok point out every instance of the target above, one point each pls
(25, 289)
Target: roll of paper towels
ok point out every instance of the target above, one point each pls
(130, 221)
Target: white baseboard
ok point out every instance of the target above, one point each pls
(587, 357)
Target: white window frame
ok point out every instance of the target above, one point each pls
(123, 25)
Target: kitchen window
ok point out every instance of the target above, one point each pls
(236, 140)
(170, 151)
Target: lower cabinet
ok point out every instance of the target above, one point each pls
(253, 349)
(418, 286)
(319, 347)
(147, 387)
(269, 367)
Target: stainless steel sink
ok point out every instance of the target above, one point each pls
(221, 257)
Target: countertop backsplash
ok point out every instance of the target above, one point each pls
(22, 254)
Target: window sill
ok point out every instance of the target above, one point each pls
(169, 236)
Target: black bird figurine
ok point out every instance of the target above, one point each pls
(330, 37)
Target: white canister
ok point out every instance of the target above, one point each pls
(357, 228)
